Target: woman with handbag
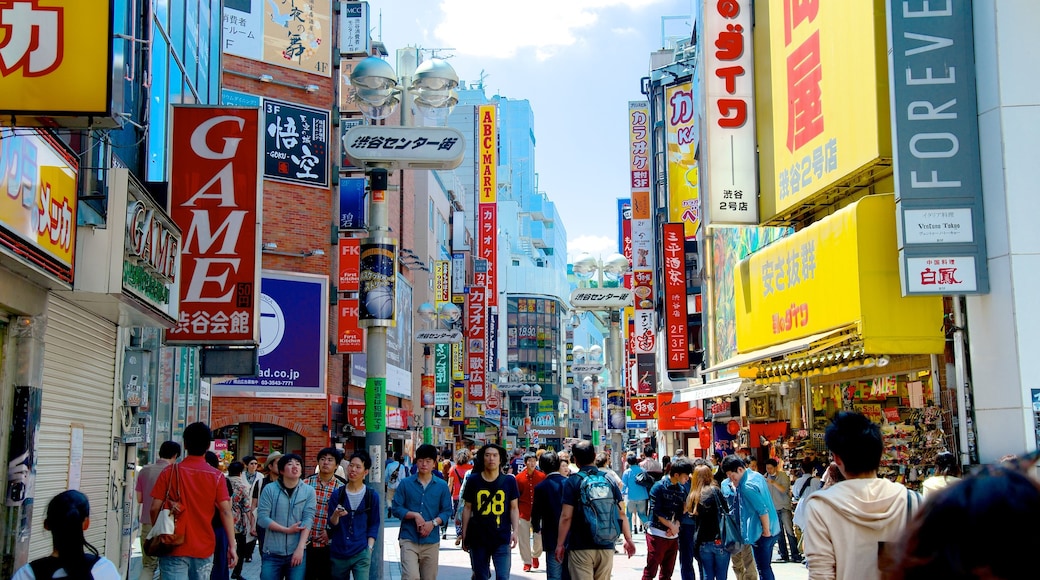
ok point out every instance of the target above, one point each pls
(707, 506)
(68, 516)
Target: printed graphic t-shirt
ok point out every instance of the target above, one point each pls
(490, 518)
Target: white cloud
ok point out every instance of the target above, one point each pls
(599, 246)
(499, 29)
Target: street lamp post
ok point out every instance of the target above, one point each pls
(377, 91)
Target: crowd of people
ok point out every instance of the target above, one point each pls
(568, 507)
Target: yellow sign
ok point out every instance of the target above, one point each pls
(441, 282)
(839, 271)
(487, 149)
(457, 359)
(38, 200)
(684, 204)
(55, 57)
(458, 403)
(825, 69)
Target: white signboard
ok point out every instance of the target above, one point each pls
(405, 147)
(438, 336)
(354, 37)
(940, 275)
(601, 298)
(937, 226)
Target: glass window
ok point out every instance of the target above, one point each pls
(158, 109)
(162, 13)
(177, 28)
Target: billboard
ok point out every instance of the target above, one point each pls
(296, 143)
(295, 34)
(293, 351)
(215, 199)
(684, 203)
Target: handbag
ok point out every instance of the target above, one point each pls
(165, 536)
(729, 529)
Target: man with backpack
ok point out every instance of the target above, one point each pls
(667, 503)
(591, 519)
(395, 473)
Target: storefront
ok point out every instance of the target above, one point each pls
(821, 327)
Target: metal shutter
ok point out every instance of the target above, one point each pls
(78, 387)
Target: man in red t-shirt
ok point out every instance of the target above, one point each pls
(526, 480)
(202, 491)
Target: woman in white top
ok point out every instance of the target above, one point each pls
(68, 516)
(946, 472)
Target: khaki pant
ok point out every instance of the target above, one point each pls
(148, 563)
(590, 564)
(419, 561)
(524, 539)
(744, 564)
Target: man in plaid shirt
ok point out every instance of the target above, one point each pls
(325, 482)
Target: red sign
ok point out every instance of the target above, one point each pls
(214, 199)
(487, 244)
(397, 418)
(350, 264)
(643, 408)
(674, 257)
(476, 332)
(356, 414)
(429, 390)
(672, 416)
(351, 338)
(492, 402)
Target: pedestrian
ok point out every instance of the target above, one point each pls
(286, 512)
(68, 516)
(547, 509)
(423, 504)
(354, 517)
(526, 481)
(325, 483)
(241, 508)
(704, 504)
(456, 478)
(254, 477)
(491, 514)
(198, 488)
(947, 471)
(270, 476)
(651, 465)
(602, 463)
(759, 524)
(667, 503)
(587, 558)
(567, 467)
(846, 523)
(221, 567)
(780, 489)
(637, 496)
(396, 471)
(169, 451)
(743, 562)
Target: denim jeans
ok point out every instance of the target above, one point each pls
(275, 567)
(359, 564)
(788, 541)
(185, 568)
(714, 561)
(553, 569)
(482, 556)
(763, 550)
(687, 551)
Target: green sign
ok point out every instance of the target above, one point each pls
(375, 405)
(136, 277)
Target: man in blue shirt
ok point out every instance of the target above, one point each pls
(546, 511)
(423, 504)
(354, 518)
(759, 524)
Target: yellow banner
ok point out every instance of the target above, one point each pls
(54, 57)
(457, 356)
(441, 282)
(839, 271)
(487, 149)
(684, 204)
(825, 69)
(458, 403)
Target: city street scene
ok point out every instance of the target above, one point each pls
(588, 289)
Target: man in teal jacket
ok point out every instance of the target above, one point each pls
(759, 524)
(286, 511)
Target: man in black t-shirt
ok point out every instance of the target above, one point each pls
(491, 515)
(588, 561)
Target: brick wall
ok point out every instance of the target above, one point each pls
(303, 416)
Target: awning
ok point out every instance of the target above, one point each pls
(786, 348)
(711, 389)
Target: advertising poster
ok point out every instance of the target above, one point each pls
(349, 265)
(616, 418)
(351, 337)
(293, 313)
(352, 203)
(296, 143)
(684, 204)
(295, 34)
(378, 295)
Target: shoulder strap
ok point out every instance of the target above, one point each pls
(805, 484)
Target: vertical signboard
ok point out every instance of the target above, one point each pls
(458, 403)
(349, 265)
(684, 204)
(729, 128)
(639, 145)
(354, 37)
(296, 34)
(296, 144)
(487, 217)
(476, 332)
(377, 292)
(487, 229)
(624, 208)
(215, 199)
(673, 253)
(441, 282)
(352, 203)
(351, 336)
(442, 379)
(616, 418)
(935, 144)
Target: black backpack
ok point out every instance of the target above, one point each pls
(44, 568)
(645, 479)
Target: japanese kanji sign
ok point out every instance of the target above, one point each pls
(684, 203)
(476, 343)
(214, 199)
(354, 37)
(296, 143)
(639, 145)
(673, 254)
(624, 208)
(352, 209)
(405, 147)
(729, 154)
(296, 34)
(55, 61)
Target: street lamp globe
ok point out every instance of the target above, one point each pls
(449, 313)
(434, 89)
(595, 353)
(579, 354)
(427, 312)
(374, 88)
(537, 390)
(585, 267)
(615, 267)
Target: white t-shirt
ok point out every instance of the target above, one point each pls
(103, 569)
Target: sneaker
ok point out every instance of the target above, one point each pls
(527, 567)
(781, 561)
(798, 559)
(534, 562)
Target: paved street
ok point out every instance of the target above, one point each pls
(454, 563)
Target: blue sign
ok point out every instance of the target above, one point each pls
(231, 98)
(352, 203)
(293, 314)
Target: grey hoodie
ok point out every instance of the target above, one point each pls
(844, 523)
(276, 505)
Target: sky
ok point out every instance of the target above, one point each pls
(578, 62)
